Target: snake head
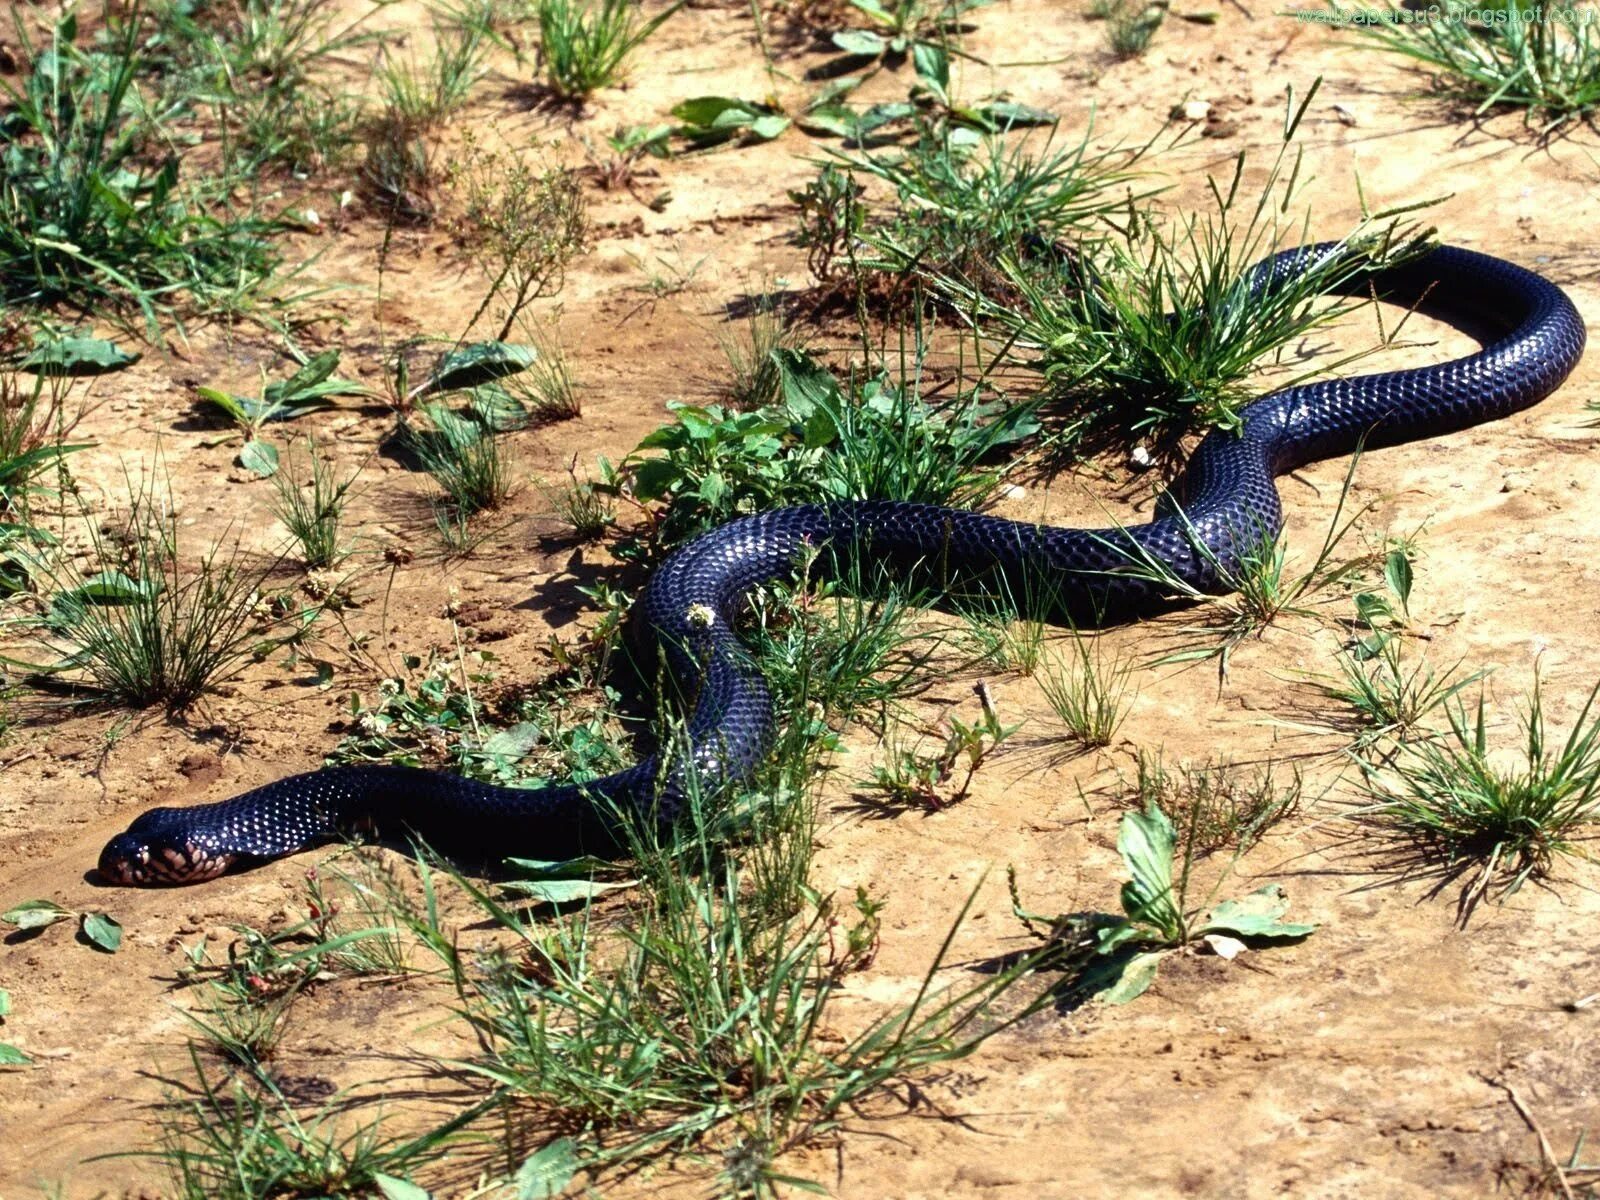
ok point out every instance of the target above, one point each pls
(160, 849)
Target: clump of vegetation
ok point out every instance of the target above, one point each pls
(263, 66)
(467, 459)
(1130, 24)
(1542, 58)
(35, 423)
(1114, 957)
(910, 776)
(1087, 690)
(312, 509)
(144, 626)
(584, 44)
(1216, 802)
(522, 224)
(1154, 333)
(868, 438)
(581, 505)
(89, 217)
(1460, 808)
(1389, 697)
(755, 377)
(310, 388)
(435, 714)
(967, 200)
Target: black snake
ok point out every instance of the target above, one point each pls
(690, 609)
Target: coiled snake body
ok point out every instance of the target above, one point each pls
(689, 609)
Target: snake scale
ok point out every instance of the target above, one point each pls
(689, 611)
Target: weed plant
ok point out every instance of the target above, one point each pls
(522, 225)
(1216, 802)
(1156, 333)
(872, 437)
(755, 374)
(1114, 957)
(398, 172)
(468, 461)
(243, 1139)
(1462, 808)
(1130, 25)
(908, 776)
(1256, 587)
(312, 509)
(581, 505)
(1544, 59)
(584, 44)
(424, 95)
(264, 67)
(142, 626)
(702, 1032)
(35, 421)
(88, 217)
(1087, 689)
(974, 197)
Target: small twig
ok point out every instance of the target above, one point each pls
(1546, 1151)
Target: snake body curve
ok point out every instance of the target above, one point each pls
(688, 612)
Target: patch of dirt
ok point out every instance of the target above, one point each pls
(1353, 1065)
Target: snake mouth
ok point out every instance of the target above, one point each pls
(128, 863)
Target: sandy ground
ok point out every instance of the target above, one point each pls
(1356, 1064)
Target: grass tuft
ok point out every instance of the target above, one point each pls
(584, 44)
(1513, 819)
(145, 627)
(1542, 58)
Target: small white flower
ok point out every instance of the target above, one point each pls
(312, 218)
(700, 616)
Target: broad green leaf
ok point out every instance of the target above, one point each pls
(498, 408)
(880, 115)
(1118, 978)
(35, 914)
(260, 458)
(5, 1003)
(547, 1172)
(475, 364)
(807, 385)
(233, 405)
(932, 65)
(304, 381)
(834, 89)
(1256, 917)
(711, 112)
(769, 125)
(562, 891)
(77, 357)
(1373, 609)
(582, 867)
(515, 742)
(10, 1056)
(103, 931)
(1146, 842)
(838, 120)
(108, 587)
(1006, 113)
(699, 423)
(653, 478)
(860, 42)
(1397, 572)
(18, 469)
(399, 1189)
